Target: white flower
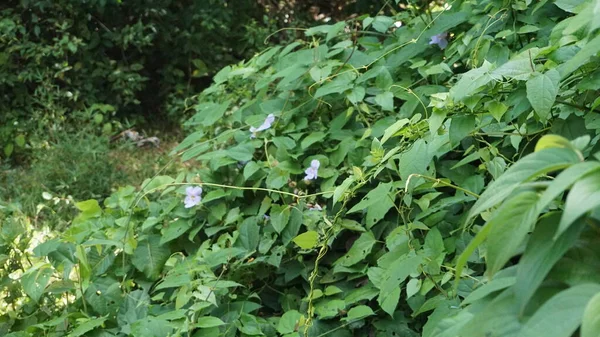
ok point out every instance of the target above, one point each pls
(265, 125)
(316, 207)
(193, 196)
(313, 170)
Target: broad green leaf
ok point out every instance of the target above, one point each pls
(461, 127)
(471, 81)
(541, 92)
(389, 301)
(307, 240)
(541, 255)
(359, 250)
(20, 140)
(529, 167)
(356, 95)
(151, 327)
(436, 119)
(359, 312)
(494, 285)
(312, 138)
(563, 313)
(150, 256)
(291, 230)
(392, 129)
(497, 109)
(174, 230)
(385, 100)
(509, 229)
(497, 319)
(552, 141)
(518, 67)
(208, 322)
(583, 197)
(565, 180)
(337, 86)
(35, 280)
(507, 210)
(280, 215)
(590, 326)
(89, 209)
(339, 191)
(86, 326)
(249, 234)
(277, 178)
(134, 307)
(288, 323)
(581, 58)
(570, 6)
(379, 194)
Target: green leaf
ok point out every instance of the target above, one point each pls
(471, 81)
(385, 100)
(35, 280)
(356, 95)
(307, 240)
(563, 313)
(174, 230)
(583, 197)
(208, 322)
(509, 229)
(89, 209)
(391, 130)
(590, 326)
(541, 255)
(570, 6)
(288, 323)
(359, 250)
(461, 127)
(436, 119)
(494, 285)
(249, 234)
(311, 139)
(581, 58)
(277, 178)
(280, 215)
(553, 141)
(508, 211)
(565, 180)
(519, 67)
(497, 109)
(87, 326)
(389, 301)
(20, 140)
(541, 92)
(379, 194)
(359, 312)
(527, 168)
(149, 256)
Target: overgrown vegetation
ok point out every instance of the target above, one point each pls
(432, 173)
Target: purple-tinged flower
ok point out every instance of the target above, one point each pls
(440, 40)
(313, 170)
(193, 196)
(265, 125)
(267, 218)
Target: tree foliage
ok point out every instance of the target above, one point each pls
(456, 192)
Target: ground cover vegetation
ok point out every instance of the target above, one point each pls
(432, 172)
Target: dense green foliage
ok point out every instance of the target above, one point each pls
(456, 193)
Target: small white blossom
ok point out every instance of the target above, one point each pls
(313, 170)
(193, 196)
(264, 126)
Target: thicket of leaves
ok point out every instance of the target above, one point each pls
(457, 193)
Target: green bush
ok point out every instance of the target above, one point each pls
(369, 180)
